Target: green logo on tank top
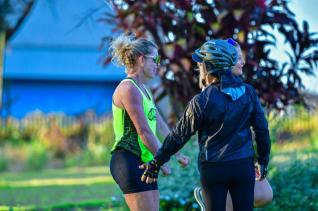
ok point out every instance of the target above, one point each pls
(152, 114)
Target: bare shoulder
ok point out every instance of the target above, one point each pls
(127, 88)
(126, 91)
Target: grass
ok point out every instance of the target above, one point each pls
(92, 188)
(58, 189)
(292, 171)
(76, 172)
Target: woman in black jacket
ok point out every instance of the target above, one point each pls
(222, 115)
(263, 193)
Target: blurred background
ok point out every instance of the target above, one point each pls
(57, 80)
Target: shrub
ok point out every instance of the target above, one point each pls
(37, 156)
(296, 124)
(94, 155)
(176, 190)
(104, 133)
(10, 133)
(295, 185)
(3, 161)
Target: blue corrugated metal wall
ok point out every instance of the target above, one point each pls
(72, 98)
(51, 64)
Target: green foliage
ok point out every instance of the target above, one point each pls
(105, 133)
(37, 156)
(93, 156)
(177, 204)
(176, 190)
(295, 185)
(9, 133)
(3, 161)
(180, 27)
(60, 189)
(297, 124)
(293, 171)
(187, 178)
(40, 141)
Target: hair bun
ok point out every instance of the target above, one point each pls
(127, 47)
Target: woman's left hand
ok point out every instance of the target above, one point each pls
(165, 169)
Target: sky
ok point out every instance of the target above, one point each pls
(304, 10)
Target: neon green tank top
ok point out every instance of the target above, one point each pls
(126, 136)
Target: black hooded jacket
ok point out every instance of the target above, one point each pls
(223, 127)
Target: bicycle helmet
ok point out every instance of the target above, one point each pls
(218, 55)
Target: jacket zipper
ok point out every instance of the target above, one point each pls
(206, 143)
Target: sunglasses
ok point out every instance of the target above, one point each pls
(155, 59)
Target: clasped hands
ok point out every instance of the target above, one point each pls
(151, 168)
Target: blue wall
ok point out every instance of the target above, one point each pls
(69, 97)
(52, 62)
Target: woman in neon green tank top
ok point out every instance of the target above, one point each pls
(137, 124)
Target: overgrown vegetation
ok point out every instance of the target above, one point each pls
(39, 141)
(293, 169)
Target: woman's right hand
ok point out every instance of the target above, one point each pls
(165, 169)
(260, 172)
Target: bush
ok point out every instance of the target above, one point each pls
(295, 185)
(176, 190)
(10, 133)
(94, 155)
(3, 161)
(56, 140)
(296, 124)
(37, 156)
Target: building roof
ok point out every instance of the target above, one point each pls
(60, 40)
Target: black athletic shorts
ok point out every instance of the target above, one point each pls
(124, 167)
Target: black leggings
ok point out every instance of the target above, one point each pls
(237, 177)
(124, 167)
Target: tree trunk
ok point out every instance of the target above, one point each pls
(2, 49)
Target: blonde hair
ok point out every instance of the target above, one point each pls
(126, 48)
(203, 73)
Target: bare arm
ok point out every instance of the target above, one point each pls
(163, 130)
(162, 127)
(131, 100)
